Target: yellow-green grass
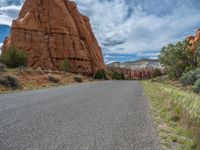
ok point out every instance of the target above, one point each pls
(177, 113)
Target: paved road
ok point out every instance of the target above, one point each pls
(110, 115)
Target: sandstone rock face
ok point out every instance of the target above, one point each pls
(52, 30)
(194, 39)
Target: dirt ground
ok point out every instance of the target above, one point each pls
(34, 79)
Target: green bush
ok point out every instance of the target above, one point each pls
(180, 58)
(100, 75)
(65, 66)
(157, 73)
(14, 58)
(190, 77)
(177, 58)
(78, 79)
(117, 76)
(196, 87)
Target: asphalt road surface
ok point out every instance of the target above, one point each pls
(107, 115)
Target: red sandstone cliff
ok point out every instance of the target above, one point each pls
(52, 30)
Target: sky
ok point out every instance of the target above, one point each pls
(127, 29)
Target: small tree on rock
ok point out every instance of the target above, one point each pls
(65, 66)
(14, 58)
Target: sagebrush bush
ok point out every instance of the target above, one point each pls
(65, 65)
(117, 76)
(184, 78)
(14, 58)
(2, 67)
(54, 79)
(196, 87)
(10, 81)
(157, 73)
(160, 79)
(190, 77)
(100, 75)
(78, 79)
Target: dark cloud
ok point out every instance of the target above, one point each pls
(113, 42)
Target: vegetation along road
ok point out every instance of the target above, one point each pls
(107, 115)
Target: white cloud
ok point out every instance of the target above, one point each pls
(153, 57)
(149, 54)
(109, 62)
(8, 13)
(134, 30)
(107, 56)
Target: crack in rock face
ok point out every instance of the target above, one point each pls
(50, 31)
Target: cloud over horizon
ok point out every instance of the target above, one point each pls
(130, 29)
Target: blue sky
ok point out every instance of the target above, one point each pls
(128, 29)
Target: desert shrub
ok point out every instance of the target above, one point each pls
(100, 75)
(54, 79)
(184, 79)
(65, 65)
(190, 77)
(117, 76)
(160, 79)
(14, 58)
(157, 73)
(10, 81)
(2, 67)
(78, 79)
(196, 87)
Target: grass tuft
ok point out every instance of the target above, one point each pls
(177, 113)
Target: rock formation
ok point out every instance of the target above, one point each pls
(194, 39)
(135, 74)
(50, 31)
(137, 70)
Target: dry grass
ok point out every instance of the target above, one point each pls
(34, 79)
(177, 113)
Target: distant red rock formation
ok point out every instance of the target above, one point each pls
(52, 30)
(139, 69)
(136, 74)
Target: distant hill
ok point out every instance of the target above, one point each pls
(139, 64)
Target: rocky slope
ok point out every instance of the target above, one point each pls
(50, 31)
